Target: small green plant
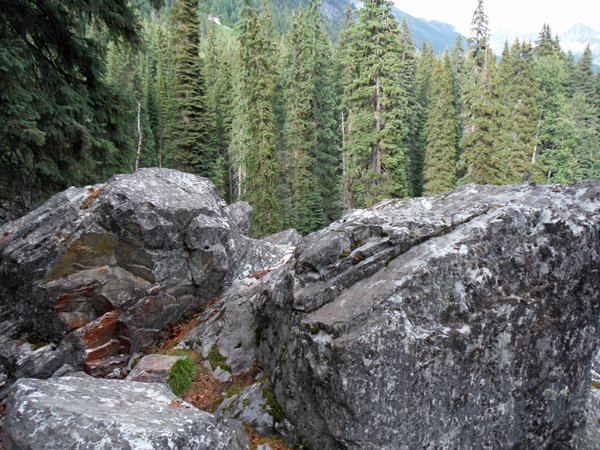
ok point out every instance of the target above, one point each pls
(239, 344)
(356, 244)
(182, 373)
(216, 359)
(314, 330)
(596, 384)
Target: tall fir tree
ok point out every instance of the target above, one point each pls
(190, 127)
(257, 160)
(479, 160)
(423, 87)
(376, 144)
(519, 116)
(409, 82)
(348, 71)
(440, 153)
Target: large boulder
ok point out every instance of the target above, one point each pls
(466, 320)
(95, 272)
(81, 412)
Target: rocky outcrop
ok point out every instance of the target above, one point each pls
(466, 320)
(86, 413)
(92, 274)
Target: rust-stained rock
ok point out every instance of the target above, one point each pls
(112, 264)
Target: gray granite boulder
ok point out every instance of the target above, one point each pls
(466, 320)
(240, 213)
(287, 238)
(99, 270)
(230, 327)
(80, 412)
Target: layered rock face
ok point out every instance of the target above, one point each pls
(466, 320)
(99, 270)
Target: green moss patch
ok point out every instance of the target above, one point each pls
(216, 359)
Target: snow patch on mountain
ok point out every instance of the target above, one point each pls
(574, 40)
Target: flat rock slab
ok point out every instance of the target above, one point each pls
(153, 369)
(81, 412)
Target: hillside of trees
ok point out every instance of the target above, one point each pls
(300, 127)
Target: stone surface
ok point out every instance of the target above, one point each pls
(87, 413)
(153, 369)
(230, 325)
(592, 439)
(264, 447)
(466, 320)
(240, 213)
(101, 269)
(248, 406)
(287, 238)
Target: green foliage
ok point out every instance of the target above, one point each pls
(61, 124)
(182, 374)
(440, 153)
(375, 146)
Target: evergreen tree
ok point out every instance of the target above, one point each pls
(324, 113)
(458, 63)
(376, 143)
(556, 133)
(479, 160)
(348, 71)
(408, 81)
(519, 115)
(256, 119)
(423, 88)
(60, 123)
(440, 153)
(191, 125)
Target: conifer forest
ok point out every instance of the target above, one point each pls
(300, 117)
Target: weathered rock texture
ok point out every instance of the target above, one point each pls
(153, 369)
(80, 412)
(101, 269)
(287, 238)
(467, 320)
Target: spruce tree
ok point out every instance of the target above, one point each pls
(519, 115)
(556, 133)
(257, 163)
(188, 145)
(376, 146)
(479, 160)
(440, 152)
(423, 87)
(348, 71)
(409, 82)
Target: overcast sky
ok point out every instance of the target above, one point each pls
(522, 16)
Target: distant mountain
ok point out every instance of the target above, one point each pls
(503, 35)
(578, 37)
(440, 34)
(574, 40)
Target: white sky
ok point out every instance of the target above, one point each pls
(521, 16)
